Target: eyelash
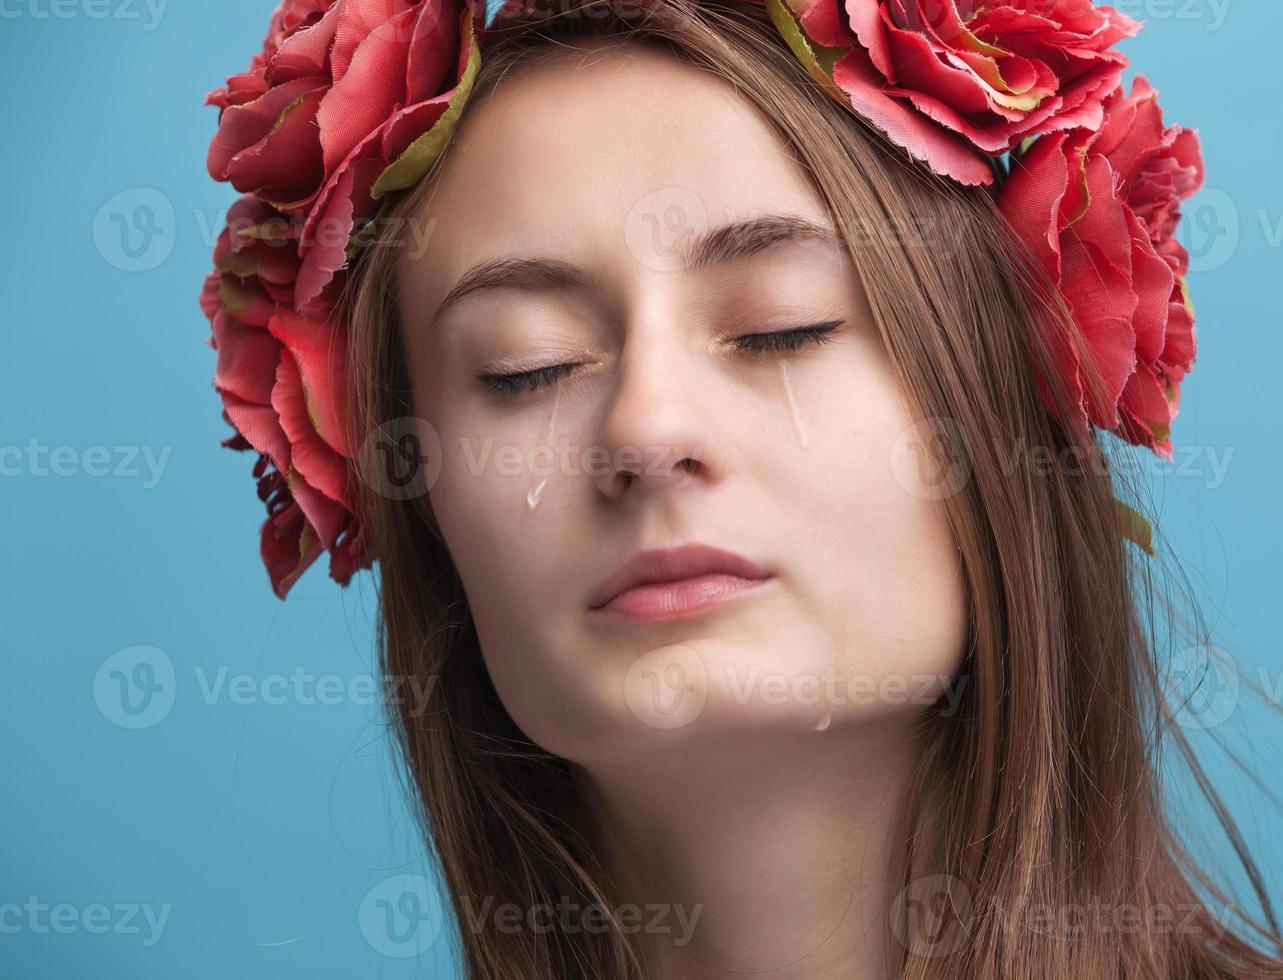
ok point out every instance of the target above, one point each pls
(756, 343)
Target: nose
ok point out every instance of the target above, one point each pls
(658, 433)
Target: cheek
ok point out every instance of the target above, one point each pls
(880, 563)
(512, 561)
(826, 485)
(479, 499)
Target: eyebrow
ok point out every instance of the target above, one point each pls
(727, 243)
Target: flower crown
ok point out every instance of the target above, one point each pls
(351, 100)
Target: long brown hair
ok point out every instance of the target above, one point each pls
(1043, 791)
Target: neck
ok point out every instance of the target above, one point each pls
(770, 859)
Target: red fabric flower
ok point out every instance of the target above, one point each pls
(338, 100)
(281, 378)
(947, 78)
(347, 101)
(1099, 209)
(350, 100)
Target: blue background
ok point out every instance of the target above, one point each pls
(264, 827)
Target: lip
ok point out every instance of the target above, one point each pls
(664, 583)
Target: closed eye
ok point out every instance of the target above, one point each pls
(515, 384)
(779, 340)
(817, 333)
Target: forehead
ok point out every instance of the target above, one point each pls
(588, 155)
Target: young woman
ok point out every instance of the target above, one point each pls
(770, 585)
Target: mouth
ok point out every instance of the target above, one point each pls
(677, 582)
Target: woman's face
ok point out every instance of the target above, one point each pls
(617, 166)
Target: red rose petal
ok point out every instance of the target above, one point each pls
(261, 427)
(306, 51)
(310, 457)
(327, 517)
(944, 153)
(247, 359)
(245, 125)
(1153, 282)
(372, 87)
(288, 546)
(357, 20)
(433, 50)
(320, 352)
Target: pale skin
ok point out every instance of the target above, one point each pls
(745, 761)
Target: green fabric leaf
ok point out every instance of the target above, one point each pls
(238, 264)
(236, 297)
(410, 166)
(269, 231)
(816, 59)
(1134, 527)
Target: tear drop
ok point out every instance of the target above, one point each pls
(532, 498)
(788, 393)
(536, 492)
(824, 723)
